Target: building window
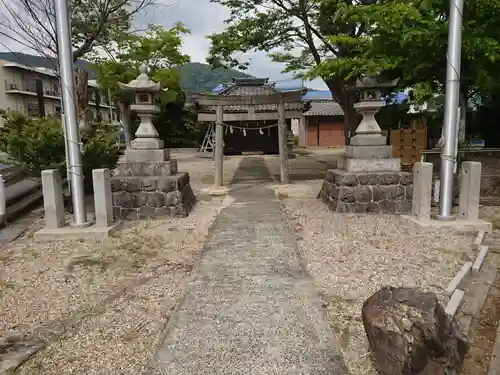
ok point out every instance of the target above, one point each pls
(30, 85)
(33, 109)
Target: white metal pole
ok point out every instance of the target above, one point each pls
(66, 152)
(450, 131)
(71, 122)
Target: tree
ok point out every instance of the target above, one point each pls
(409, 40)
(340, 40)
(299, 33)
(159, 49)
(32, 23)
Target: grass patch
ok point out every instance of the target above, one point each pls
(5, 286)
(91, 261)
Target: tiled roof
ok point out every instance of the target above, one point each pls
(324, 108)
(318, 95)
(251, 87)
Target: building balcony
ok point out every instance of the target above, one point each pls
(28, 87)
(51, 93)
(22, 86)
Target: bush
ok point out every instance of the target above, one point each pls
(296, 141)
(35, 144)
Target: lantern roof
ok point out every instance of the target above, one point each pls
(368, 82)
(141, 83)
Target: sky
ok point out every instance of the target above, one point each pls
(202, 17)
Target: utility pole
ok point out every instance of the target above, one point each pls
(68, 93)
(450, 125)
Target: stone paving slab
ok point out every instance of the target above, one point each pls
(251, 308)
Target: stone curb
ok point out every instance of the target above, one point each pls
(464, 272)
(479, 238)
(481, 256)
(459, 279)
(479, 288)
(455, 302)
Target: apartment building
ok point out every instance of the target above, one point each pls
(35, 91)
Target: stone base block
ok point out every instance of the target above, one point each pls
(368, 140)
(71, 233)
(382, 192)
(147, 144)
(127, 169)
(458, 224)
(150, 197)
(152, 156)
(218, 191)
(370, 165)
(368, 152)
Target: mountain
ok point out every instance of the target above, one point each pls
(198, 78)
(195, 77)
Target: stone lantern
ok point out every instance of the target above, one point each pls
(146, 182)
(144, 105)
(368, 178)
(370, 102)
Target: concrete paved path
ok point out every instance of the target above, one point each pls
(252, 308)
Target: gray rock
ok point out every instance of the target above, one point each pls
(14, 351)
(410, 333)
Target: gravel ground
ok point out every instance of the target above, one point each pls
(101, 305)
(351, 256)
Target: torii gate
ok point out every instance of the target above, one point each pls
(219, 101)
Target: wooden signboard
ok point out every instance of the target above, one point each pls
(408, 143)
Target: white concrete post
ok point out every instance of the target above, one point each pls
(3, 202)
(422, 191)
(470, 190)
(219, 146)
(282, 129)
(53, 202)
(103, 200)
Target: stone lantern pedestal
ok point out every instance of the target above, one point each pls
(146, 183)
(368, 178)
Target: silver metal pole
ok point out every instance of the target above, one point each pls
(450, 131)
(66, 151)
(68, 95)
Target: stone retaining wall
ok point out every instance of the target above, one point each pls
(147, 195)
(382, 192)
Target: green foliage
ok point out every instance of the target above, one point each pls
(158, 48)
(409, 39)
(101, 19)
(340, 40)
(177, 125)
(299, 34)
(36, 144)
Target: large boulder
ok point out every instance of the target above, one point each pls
(409, 333)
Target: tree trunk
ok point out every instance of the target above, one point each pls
(126, 116)
(346, 98)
